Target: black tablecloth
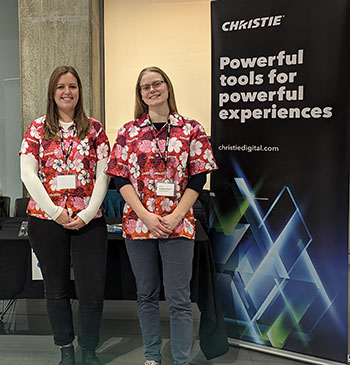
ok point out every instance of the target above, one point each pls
(16, 280)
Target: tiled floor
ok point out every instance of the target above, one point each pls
(25, 339)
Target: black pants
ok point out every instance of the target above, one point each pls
(55, 248)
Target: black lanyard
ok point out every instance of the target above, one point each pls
(165, 157)
(66, 155)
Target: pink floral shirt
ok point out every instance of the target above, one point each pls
(81, 161)
(135, 156)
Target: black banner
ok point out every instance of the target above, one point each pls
(280, 88)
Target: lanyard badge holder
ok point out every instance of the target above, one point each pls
(66, 181)
(167, 186)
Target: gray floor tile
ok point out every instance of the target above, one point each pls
(26, 355)
(261, 358)
(25, 339)
(25, 362)
(15, 342)
(234, 355)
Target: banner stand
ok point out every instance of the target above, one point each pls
(281, 353)
(348, 357)
(279, 217)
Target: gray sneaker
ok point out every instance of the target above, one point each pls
(151, 362)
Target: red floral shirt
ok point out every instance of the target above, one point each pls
(135, 156)
(82, 162)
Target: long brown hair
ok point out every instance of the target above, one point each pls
(51, 123)
(140, 106)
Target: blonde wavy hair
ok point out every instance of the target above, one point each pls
(140, 106)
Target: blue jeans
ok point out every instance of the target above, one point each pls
(176, 257)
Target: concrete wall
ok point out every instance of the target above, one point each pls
(54, 33)
(10, 115)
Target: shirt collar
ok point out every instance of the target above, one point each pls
(174, 118)
(66, 126)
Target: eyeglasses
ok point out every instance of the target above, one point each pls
(147, 87)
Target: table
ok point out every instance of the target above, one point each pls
(16, 280)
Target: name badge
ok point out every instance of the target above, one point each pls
(66, 182)
(165, 189)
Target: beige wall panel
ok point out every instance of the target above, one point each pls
(174, 35)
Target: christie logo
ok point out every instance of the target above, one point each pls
(266, 21)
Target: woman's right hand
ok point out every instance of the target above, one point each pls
(155, 226)
(152, 221)
(63, 218)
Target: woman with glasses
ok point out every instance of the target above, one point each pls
(160, 161)
(63, 158)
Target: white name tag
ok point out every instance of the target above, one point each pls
(165, 189)
(66, 182)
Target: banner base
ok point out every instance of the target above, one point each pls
(283, 353)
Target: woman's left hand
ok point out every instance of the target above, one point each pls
(170, 221)
(75, 224)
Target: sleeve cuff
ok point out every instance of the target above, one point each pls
(86, 216)
(56, 213)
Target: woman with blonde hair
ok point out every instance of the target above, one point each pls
(160, 161)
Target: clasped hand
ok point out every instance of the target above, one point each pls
(69, 223)
(160, 227)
